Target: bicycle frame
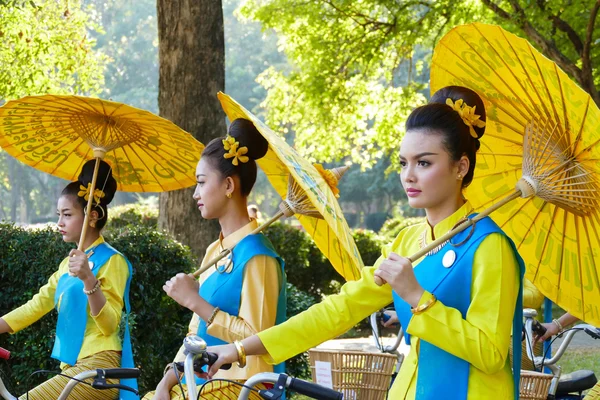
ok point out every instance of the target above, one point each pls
(550, 363)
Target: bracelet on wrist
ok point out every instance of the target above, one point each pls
(241, 353)
(558, 324)
(94, 289)
(423, 307)
(212, 316)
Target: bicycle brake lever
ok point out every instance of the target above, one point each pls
(102, 385)
(595, 333)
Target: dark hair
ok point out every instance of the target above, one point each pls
(444, 120)
(104, 182)
(248, 136)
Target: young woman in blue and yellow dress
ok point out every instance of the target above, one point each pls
(89, 290)
(244, 294)
(458, 304)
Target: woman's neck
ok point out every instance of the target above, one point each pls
(234, 219)
(440, 213)
(90, 237)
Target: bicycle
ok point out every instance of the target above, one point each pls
(99, 375)
(375, 321)
(197, 357)
(563, 386)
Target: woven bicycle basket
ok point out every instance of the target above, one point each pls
(358, 375)
(534, 385)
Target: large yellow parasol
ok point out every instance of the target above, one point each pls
(307, 191)
(541, 148)
(58, 134)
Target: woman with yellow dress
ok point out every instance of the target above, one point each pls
(244, 293)
(89, 290)
(458, 304)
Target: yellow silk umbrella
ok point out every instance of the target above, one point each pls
(308, 192)
(58, 134)
(542, 137)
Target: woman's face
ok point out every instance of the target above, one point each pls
(428, 174)
(211, 190)
(70, 219)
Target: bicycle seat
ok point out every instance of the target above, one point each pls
(576, 382)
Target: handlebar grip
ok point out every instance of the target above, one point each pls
(121, 373)
(4, 354)
(538, 328)
(212, 358)
(314, 390)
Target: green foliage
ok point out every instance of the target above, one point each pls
(358, 67)
(30, 257)
(134, 214)
(44, 48)
(392, 227)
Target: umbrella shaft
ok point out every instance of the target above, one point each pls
(469, 222)
(227, 251)
(88, 209)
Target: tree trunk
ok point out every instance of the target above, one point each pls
(191, 71)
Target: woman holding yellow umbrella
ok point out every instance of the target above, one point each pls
(89, 290)
(244, 293)
(458, 304)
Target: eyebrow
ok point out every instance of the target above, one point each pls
(199, 175)
(422, 155)
(63, 210)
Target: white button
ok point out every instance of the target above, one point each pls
(449, 258)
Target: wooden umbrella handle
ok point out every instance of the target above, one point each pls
(228, 251)
(469, 222)
(88, 209)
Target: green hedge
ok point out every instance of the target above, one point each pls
(392, 227)
(158, 323)
(155, 258)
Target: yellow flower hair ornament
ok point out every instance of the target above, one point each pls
(467, 114)
(234, 151)
(85, 193)
(330, 179)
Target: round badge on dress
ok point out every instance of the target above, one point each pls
(449, 258)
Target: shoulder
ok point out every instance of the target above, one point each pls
(407, 236)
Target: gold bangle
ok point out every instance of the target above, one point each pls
(212, 316)
(423, 307)
(241, 353)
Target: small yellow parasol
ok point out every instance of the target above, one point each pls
(539, 158)
(58, 134)
(308, 191)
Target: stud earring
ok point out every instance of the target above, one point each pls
(93, 224)
(228, 195)
(459, 177)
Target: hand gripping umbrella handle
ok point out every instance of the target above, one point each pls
(469, 222)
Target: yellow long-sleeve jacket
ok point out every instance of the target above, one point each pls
(482, 338)
(102, 330)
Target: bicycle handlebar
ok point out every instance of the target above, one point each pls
(119, 373)
(4, 354)
(313, 390)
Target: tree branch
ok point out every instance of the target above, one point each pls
(566, 28)
(548, 47)
(585, 56)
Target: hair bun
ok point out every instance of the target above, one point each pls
(469, 97)
(105, 181)
(245, 132)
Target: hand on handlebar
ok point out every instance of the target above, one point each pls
(551, 330)
(391, 320)
(227, 355)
